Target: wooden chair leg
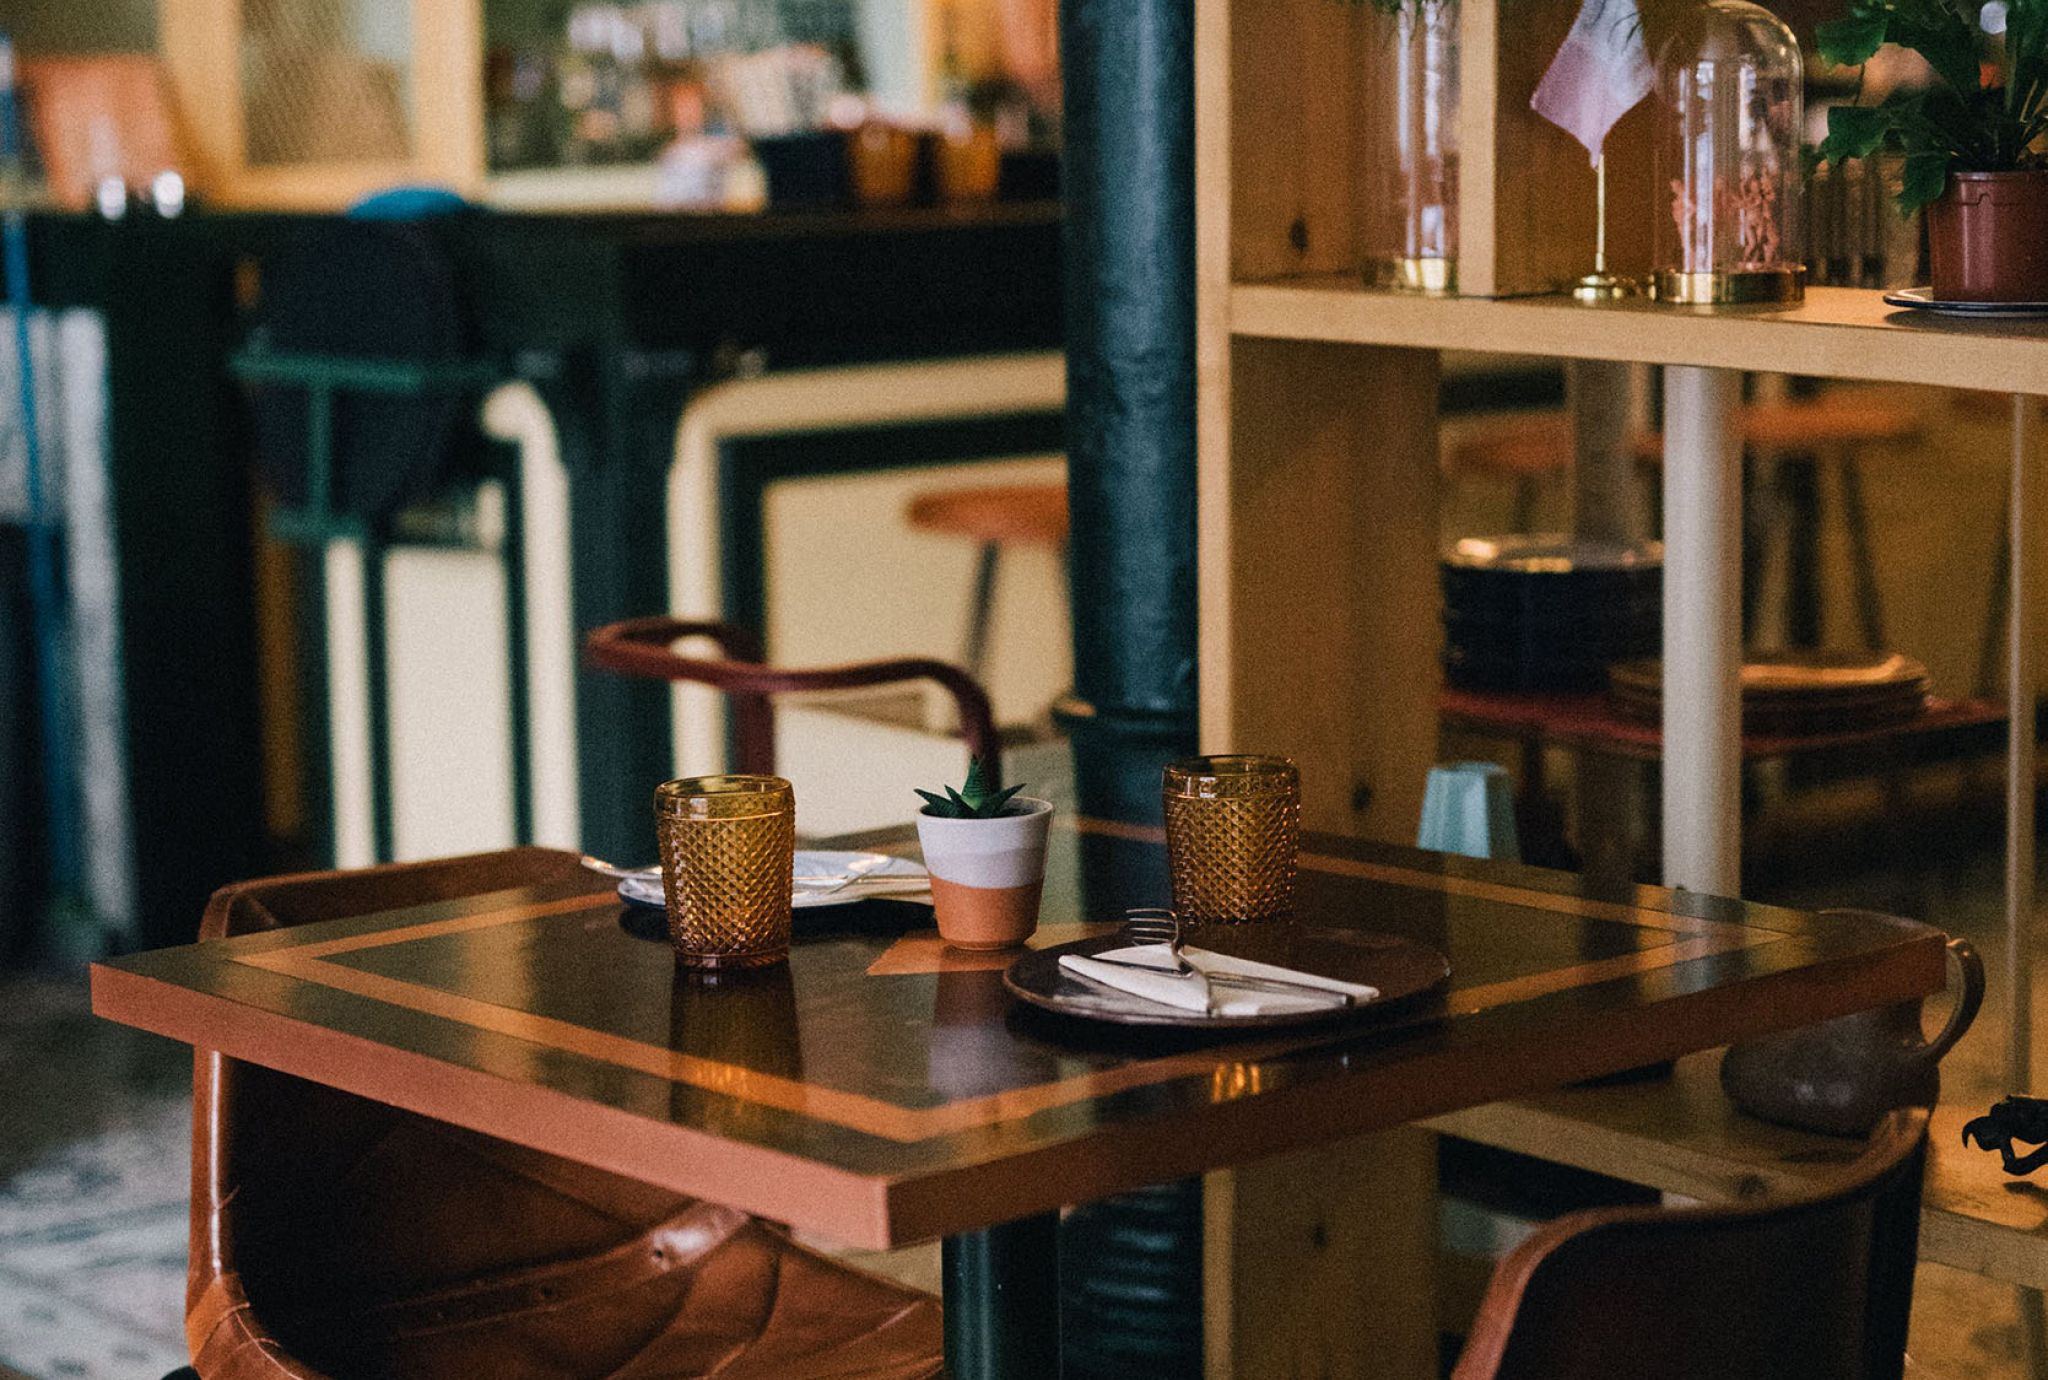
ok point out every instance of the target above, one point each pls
(1993, 640)
(1523, 518)
(1798, 495)
(983, 610)
(1759, 525)
(2033, 1332)
(1869, 608)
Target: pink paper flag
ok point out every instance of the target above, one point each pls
(1598, 75)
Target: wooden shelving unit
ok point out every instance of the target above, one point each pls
(1318, 473)
(1843, 333)
(1589, 722)
(1318, 431)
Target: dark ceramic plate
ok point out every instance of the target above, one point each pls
(1801, 675)
(1550, 553)
(1923, 299)
(1401, 968)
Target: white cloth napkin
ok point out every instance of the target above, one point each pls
(1188, 993)
(908, 880)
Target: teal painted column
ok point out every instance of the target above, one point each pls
(1130, 311)
(1131, 1272)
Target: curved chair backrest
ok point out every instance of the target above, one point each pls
(305, 1198)
(337, 1236)
(644, 647)
(1816, 1288)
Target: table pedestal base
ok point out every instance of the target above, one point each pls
(1002, 1297)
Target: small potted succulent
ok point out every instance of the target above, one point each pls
(985, 849)
(1972, 150)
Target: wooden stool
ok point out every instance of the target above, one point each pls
(1992, 407)
(1832, 428)
(1527, 449)
(993, 518)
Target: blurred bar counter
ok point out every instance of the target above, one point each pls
(615, 320)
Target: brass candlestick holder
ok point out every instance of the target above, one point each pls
(1600, 285)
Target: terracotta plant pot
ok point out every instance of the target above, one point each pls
(1987, 238)
(987, 874)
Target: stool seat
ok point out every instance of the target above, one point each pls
(1532, 445)
(1020, 515)
(992, 518)
(1832, 429)
(1541, 445)
(1836, 420)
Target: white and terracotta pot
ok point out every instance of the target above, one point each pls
(987, 874)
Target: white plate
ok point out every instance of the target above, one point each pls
(1923, 299)
(643, 888)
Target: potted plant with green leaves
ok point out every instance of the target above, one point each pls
(1972, 148)
(985, 849)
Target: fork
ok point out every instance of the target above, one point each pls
(1158, 925)
(1145, 925)
(855, 871)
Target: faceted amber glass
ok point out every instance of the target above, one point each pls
(728, 846)
(1233, 835)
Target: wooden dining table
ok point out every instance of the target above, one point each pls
(882, 1089)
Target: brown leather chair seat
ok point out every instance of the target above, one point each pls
(337, 1237)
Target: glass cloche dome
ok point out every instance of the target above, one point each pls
(1729, 89)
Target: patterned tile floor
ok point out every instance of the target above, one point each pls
(92, 1191)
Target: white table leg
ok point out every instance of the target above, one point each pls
(1702, 630)
(2019, 777)
(2019, 819)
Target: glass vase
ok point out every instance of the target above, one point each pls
(1415, 148)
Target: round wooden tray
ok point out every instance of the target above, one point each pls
(1401, 968)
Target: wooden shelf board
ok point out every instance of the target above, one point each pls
(1590, 720)
(1681, 1135)
(1835, 333)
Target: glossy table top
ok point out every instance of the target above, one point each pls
(881, 1088)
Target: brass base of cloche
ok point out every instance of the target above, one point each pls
(1430, 277)
(1731, 286)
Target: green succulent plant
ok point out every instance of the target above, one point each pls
(974, 800)
(1960, 125)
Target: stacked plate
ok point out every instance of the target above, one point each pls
(1791, 693)
(1546, 612)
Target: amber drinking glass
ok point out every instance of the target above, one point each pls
(728, 852)
(1233, 834)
